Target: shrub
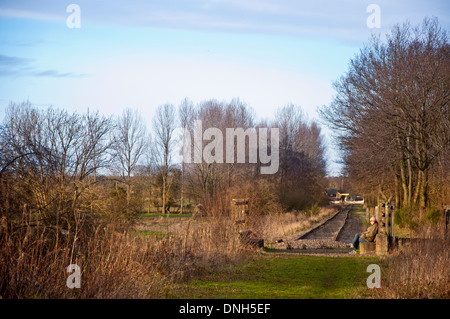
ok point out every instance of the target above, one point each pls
(406, 217)
(315, 209)
(433, 215)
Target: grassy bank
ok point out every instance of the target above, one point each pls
(283, 276)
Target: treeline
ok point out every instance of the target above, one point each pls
(297, 182)
(391, 112)
(56, 165)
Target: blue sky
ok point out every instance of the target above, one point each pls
(141, 54)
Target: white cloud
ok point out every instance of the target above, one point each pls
(28, 14)
(344, 20)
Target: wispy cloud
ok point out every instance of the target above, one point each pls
(12, 61)
(28, 14)
(57, 74)
(341, 19)
(17, 66)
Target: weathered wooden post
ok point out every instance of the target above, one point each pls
(239, 213)
(377, 216)
(391, 224)
(446, 219)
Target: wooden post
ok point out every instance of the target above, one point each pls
(239, 211)
(377, 215)
(446, 218)
(391, 215)
(387, 219)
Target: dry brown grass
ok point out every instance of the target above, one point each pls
(279, 225)
(119, 264)
(420, 270)
(114, 264)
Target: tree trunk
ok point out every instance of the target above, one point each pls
(410, 172)
(404, 184)
(417, 188)
(397, 195)
(182, 188)
(424, 189)
(164, 195)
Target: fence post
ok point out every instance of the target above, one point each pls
(367, 214)
(375, 210)
(446, 218)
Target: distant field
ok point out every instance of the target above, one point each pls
(161, 225)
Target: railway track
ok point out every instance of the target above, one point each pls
(331, 237)
(330, 229)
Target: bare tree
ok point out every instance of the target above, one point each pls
(164, 124)
(186, 113)
(394, 98)
(130, 142)
(48, 158)
(302, 164)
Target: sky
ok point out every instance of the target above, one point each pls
(141, 54)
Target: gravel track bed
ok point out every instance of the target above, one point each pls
(352, 226)
(309, 244)
(329, 229)
(322, 240)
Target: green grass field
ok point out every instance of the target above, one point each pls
(286, 276)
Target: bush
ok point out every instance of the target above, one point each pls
(315, 209)
(433, 215)
(406, 217)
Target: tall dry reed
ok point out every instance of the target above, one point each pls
(281, 224)
(420, 269)
(114, 264)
